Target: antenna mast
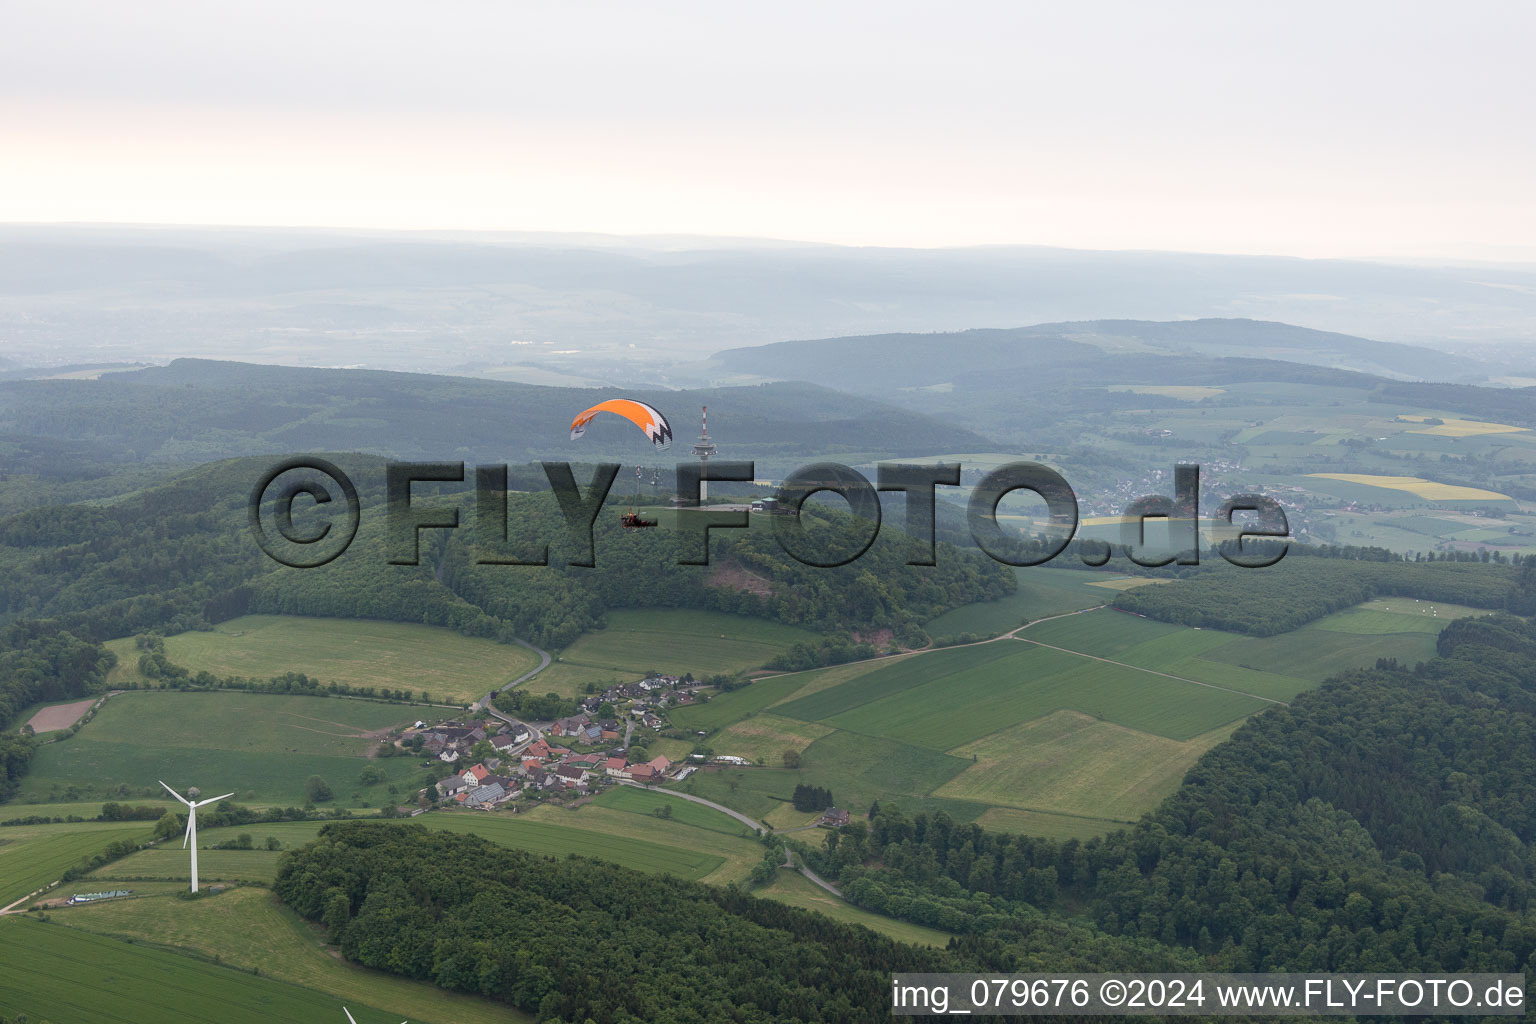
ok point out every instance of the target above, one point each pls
(704, 448)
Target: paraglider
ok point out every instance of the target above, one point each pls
(649, 420)
(629, 520)
(641, 415)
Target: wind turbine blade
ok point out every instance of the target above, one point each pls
(175, 794)
(214, 800)
(349, 1014)
(188, 834)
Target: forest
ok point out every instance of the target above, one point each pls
(179, 556)
(578, 940)
(1296, 591)
(38, 663)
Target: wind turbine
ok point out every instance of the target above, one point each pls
(349, 1016)
(191, 836)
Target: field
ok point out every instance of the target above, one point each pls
(763, 739)
(1314, 653)
(738, 704)
(59, 716)
(1418, 487)
(1396, 615)
(1032, 682)
(1129, 582)
(1080, 723)
(683, 812)
(795, 889)
(80, 809)
(1039, 823)
(679, 642)
(1183, 392)
(248, 928)
(31, 856)
(359, 652)
(1043, 591)
(696, 843)
(1070, 763)
(261, 746)
(1452, 427)
(62, 974)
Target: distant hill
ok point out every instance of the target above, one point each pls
(198, 410)
(1116, 349)
(615, 309)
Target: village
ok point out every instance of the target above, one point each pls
(499, 759)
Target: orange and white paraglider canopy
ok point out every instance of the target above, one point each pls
(641, 415)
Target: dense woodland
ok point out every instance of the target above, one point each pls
(1296, 591)
(578, 940)
(39, 663)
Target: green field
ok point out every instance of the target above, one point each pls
(359, 652)
(763, 739)
(654, 845)
(63, 974)
(262, 747)
(31, 856)
(1396, 615)
(679, 641)
(1068, 763)
(1078, 724)
(248, 928)
(683, 812)
(1021, 683)
(1314, 654)
(795, 889)
(1041, 823)
(892, 678)
(1043, 591)
(80, 809)
(978, 728)
(857, 769)
(725, 708)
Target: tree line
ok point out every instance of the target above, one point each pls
(574, 939)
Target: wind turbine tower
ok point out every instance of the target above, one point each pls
(704, 449)
(191, 836)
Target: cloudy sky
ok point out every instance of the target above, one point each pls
(1376, 129)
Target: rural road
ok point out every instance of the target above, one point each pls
(789, 862)
(1011, 634)
(789, 858)
(11, 908)
(484, 703)
(759, 826)
(544, 660)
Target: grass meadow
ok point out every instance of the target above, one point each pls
(262, 747)
(1069, 763)
(795, 889)
(31, 856)
(65, 974)
(248, 928)
(679, 641)
(360, 652)
(1043, 591)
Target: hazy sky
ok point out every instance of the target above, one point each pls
(1381, 129)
